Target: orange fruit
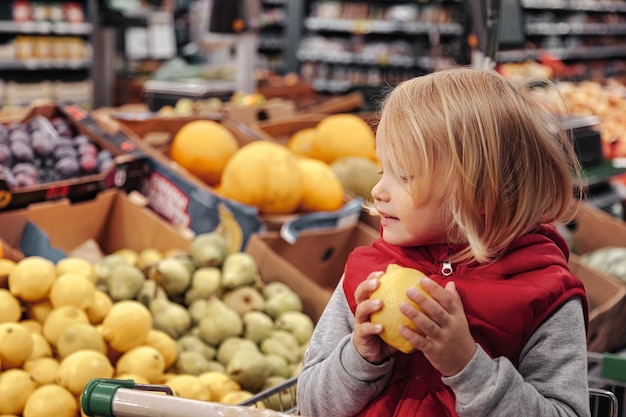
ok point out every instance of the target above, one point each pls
(344, 134)
(300, 142)
(203, 147)
(322, 189)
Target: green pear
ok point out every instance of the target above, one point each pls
(208, 249)
(205, 281)
(230, 345)
(197, 310)
(172, 275)
(243, 299)
(284, 399)
(190, 362)
(239, 269)
(147, 258)
(249, 368)
(149, 291)
(219, 322)
(125, 282)
(172, 318)
(193, 343)
(106, 265)
(275, 346)
(257, 326)
(279, 366)
(297, 323)
(270, 289)
(282, 302)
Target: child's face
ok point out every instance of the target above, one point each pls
(404, 222)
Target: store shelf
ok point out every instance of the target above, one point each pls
(44, 65)
(45, 28)
(575, 5)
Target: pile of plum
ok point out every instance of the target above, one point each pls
(44, 150)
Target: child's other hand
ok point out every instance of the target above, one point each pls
(447, 342)
(366, 339)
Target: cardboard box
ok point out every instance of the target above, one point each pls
(178, 196)
(111, 220)
(126, 173)
(114, 221)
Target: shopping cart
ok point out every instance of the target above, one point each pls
(281, 397)
(125, 398)
(607, 384)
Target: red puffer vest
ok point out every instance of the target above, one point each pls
(504, 302)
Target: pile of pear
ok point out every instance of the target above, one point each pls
(200, 320)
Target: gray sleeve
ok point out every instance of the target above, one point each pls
(551, 379)
(335, 380)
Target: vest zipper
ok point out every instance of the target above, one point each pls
(446, 268)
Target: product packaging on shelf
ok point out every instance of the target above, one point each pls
(126, 171)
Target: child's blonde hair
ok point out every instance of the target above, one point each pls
(501, 157)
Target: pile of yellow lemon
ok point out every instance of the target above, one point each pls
(58, 331)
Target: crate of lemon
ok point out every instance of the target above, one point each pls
(199, 320)
(308, 174)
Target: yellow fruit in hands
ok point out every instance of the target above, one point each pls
(322, 190)
(16, 345)
(10, 308)
(127, 325)
(16, 385)
(203, 147)
(50, 400)
(392, 291)
(77, 369)
(31, 278)
(264, 175)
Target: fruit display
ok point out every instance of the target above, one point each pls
(43, 150)
(199, 320)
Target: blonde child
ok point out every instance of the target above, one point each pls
(474, 174)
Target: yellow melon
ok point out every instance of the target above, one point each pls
(301, 141)
(203, 147)
(322, 190)
(264, 175)
(340, 135)
(392, 291)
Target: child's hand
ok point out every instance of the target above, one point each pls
(366, 339)
(447, 342)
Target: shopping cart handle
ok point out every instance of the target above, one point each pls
(98, 395)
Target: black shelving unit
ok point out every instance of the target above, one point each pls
(371, 45)
(585, 32)
(45, 56)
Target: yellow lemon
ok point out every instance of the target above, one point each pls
(134, 377)
(322, 190)
(42, 370)
(32, 278)
(81, 367)
(99, 308)
(235, 397)
(6, 266)
(16, 345)
(131, 256)
(16, 385)
(33, 326)
(189, 386)
(392, 291)
(219, 384)
(165, 344)
(80, 337)
(51, 400)
(60, 319)
(145, 361)
(72, 289)
(78, 266)
(39, 310)
(10, 307)
(41, 347)
(127, 325)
